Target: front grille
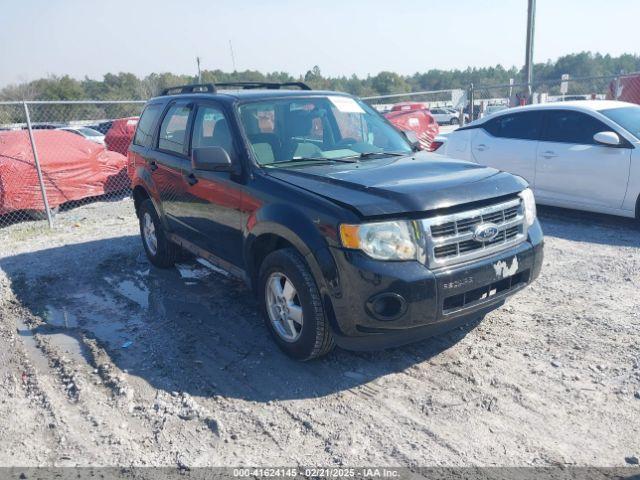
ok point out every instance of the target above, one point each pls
(450, 239)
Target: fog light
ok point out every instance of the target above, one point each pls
(387, 306)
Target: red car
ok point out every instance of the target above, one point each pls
(72, 167)
(119, 136)
(415, 117)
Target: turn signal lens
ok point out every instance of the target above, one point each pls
(349, 236)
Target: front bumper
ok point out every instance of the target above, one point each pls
(434, 301)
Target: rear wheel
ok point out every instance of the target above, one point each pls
(292, 307)
(160, 251)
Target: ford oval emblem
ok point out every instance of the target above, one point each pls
(485, 232)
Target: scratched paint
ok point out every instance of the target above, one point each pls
(503, 270)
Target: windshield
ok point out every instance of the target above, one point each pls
(627, 117)
(322, 128)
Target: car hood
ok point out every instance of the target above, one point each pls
(397, 185)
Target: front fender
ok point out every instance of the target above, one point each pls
(294, 226)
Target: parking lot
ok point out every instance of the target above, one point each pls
(105, 360)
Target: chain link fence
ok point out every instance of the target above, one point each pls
(57, 155)
(492, 98)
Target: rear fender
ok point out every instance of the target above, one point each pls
(144, 181)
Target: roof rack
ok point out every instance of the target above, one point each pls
(211, 87)
(267, 85)
(195, 88)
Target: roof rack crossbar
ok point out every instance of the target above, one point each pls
(195, 88)
(267, 85)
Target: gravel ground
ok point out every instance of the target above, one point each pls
(105, 360)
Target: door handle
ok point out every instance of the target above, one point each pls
(191, 179)
(549, 154)
(153, 166)
(482, 147)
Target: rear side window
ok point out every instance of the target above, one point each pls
(173, 131)
(144, 131)
(522, 126)
(567, 126)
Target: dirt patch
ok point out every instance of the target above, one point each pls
(105, 360)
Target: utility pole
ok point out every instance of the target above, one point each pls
(199, 72)
(233, 57)
(528, 64)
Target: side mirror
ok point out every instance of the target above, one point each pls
(211, 159)
(412, 138)
(610, 139)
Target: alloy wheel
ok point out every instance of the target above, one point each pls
(149, 233)
(284, 307)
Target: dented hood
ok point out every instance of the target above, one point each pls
(397, 185)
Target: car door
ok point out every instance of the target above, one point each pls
(213, 200)
(169, 161)
(508, 142)
(438, 115)
(573, 169)
(140, 152)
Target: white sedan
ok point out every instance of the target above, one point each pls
(583, 155)
(86, 132)
(445, 116)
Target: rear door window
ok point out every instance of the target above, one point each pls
(568, 126)
(173, 131)
(144, 130)
(522, 126)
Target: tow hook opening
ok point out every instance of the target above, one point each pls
(387, 306)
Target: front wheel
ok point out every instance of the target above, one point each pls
(292, 307)
(454, 121)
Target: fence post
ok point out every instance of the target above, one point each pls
(471, 101)
(36, 161)
(616, 87)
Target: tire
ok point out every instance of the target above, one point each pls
(312, 336)
(164, 254)
(454, 121)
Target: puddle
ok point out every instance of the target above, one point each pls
(134, 312)
(59, 317)
(131, 290)
(35, 355)
(192, 272)
(64, 342)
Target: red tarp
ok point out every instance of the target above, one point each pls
(120, 134)
(419, 121)
(628, 89)
(72, 168)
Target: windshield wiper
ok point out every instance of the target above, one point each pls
(376, 154)
(316, 159)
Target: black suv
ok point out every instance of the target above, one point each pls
(346, 233)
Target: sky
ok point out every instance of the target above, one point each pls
(91, 38)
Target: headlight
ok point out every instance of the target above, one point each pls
(529, 206)
(383, 241)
